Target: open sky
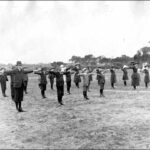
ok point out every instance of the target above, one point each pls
(47, 31)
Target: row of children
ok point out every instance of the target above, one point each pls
(19, 83)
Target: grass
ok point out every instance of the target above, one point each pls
(118, 121)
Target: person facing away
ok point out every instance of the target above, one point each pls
(42, 80)
(18, 83)
(3, 80)
(125, 75)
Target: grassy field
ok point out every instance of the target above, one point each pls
(119, 120)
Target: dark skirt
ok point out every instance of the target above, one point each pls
(113, 78)
(102, 85)
(146, 78)
(18, 94)
(135, 79)
(125, 77)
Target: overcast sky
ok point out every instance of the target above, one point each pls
(47, 31)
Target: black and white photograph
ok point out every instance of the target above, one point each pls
(74, 74)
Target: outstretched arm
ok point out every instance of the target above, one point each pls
(28, 71)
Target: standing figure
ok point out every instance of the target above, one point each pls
(59, 83)
(101, 81)
(68, 79)
(42, 80)
(90, 79)
(18, 83)
(113, 79)
(3, 80)
(11, 84)
(135, 77)
(25, 83)
(146, 77)
(125, 75)
(51, 79)
(85, 74)
(77, 78)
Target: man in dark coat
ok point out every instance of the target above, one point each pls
(18, 83)
(42, 80)
(3, 80)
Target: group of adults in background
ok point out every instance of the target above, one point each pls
(19, 79)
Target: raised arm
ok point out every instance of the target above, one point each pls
(37, 72)
(28, 71)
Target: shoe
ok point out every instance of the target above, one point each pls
(87, 98)
(44, 96)
(61, 103)
(20, 110)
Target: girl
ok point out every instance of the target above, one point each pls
(85, 74)
(125, 75)
(135, 77)
(42, 80)
(113, 79)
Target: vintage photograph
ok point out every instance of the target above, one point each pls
(74, 74)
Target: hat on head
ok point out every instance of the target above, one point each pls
(61, 66)
(125, 66)
(18, 63)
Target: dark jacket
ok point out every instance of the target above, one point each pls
(42, 79)
(77, 77)
(68, 76)
(18, 76)
(59, 78)
(51, 76)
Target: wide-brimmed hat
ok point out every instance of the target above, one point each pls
(18, 63)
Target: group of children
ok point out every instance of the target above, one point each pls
(19, 79)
